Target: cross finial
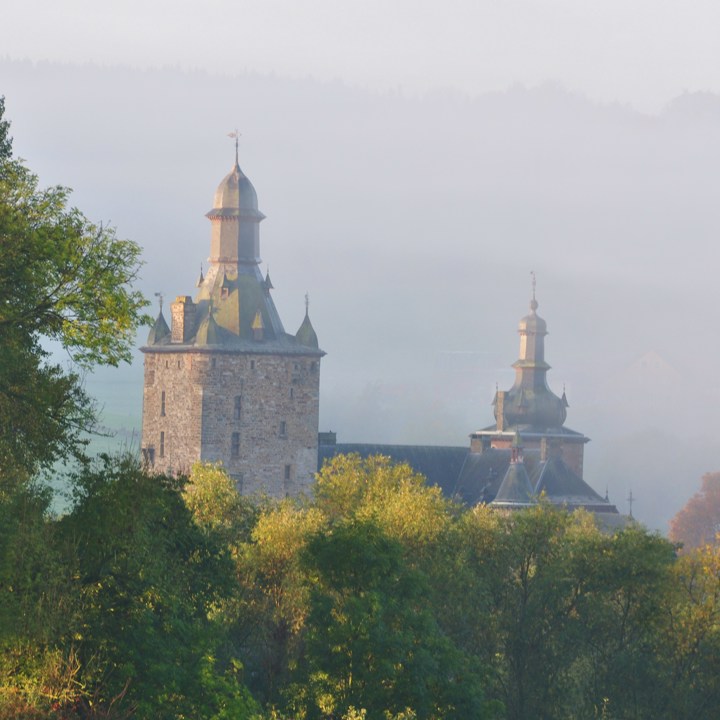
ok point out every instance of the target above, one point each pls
(160, 297)
(630, 500)
(236, 135)
(307, 303)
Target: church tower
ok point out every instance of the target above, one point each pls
(224, 382)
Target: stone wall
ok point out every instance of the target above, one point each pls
(255, 413)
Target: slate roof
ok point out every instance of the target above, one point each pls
(515, 490)
(439, 464)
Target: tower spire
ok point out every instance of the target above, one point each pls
(533, 302)
(236, 135)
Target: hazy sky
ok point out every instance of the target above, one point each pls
(641, 52)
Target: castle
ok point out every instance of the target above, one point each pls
(527, 453)
(224, 382)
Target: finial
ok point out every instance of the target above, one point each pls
(630, 500)
(200, 279)
(307, 303)
(236, 135)
(533, 302)
(160, 297)
(607, 494)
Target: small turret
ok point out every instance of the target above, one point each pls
(306, 334)
(530, 402)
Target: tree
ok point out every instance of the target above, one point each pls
(698, 523)
(62, 279)
(372, 639)
(148, 578)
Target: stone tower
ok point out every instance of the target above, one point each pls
(225, 382)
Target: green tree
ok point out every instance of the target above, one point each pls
(65, 280)
(148, 579)
(372, 639)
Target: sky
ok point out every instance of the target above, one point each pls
(416, 161)
(640, 52)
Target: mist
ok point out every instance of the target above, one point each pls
(413, 222)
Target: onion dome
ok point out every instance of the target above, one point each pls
(160, 332)
(533, 322)
(235, 196)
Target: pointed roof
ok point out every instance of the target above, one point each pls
(257, 323)
(563, 487)
(208, 332)
(268, 282)
(160, 331)
(515, 490)
(306, 334)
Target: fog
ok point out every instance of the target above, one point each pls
(413, 222)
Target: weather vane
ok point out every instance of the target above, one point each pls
(160, 297)
(236, 135)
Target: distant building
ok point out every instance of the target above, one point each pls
(527, 453)
(224, 381)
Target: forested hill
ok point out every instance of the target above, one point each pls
(414, 223)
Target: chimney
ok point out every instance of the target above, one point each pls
(183, 318)
(500, 410)
(543, 449)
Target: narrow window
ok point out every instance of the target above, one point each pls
(167, 364)
(236, 408)
(313, 367)
(213, 363)
(283, 428)
(162, 444)
(235, 445)
(162, 403)
(297, 367)
(178, 364)
(288, 471)
(292, 393)
(252, 364)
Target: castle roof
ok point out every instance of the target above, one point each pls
(234, 309)
(515, 490)
(160, 331)
(235, 196)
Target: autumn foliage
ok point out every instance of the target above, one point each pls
(698, 523)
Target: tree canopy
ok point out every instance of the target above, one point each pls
(698, 522)
(66, 280)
